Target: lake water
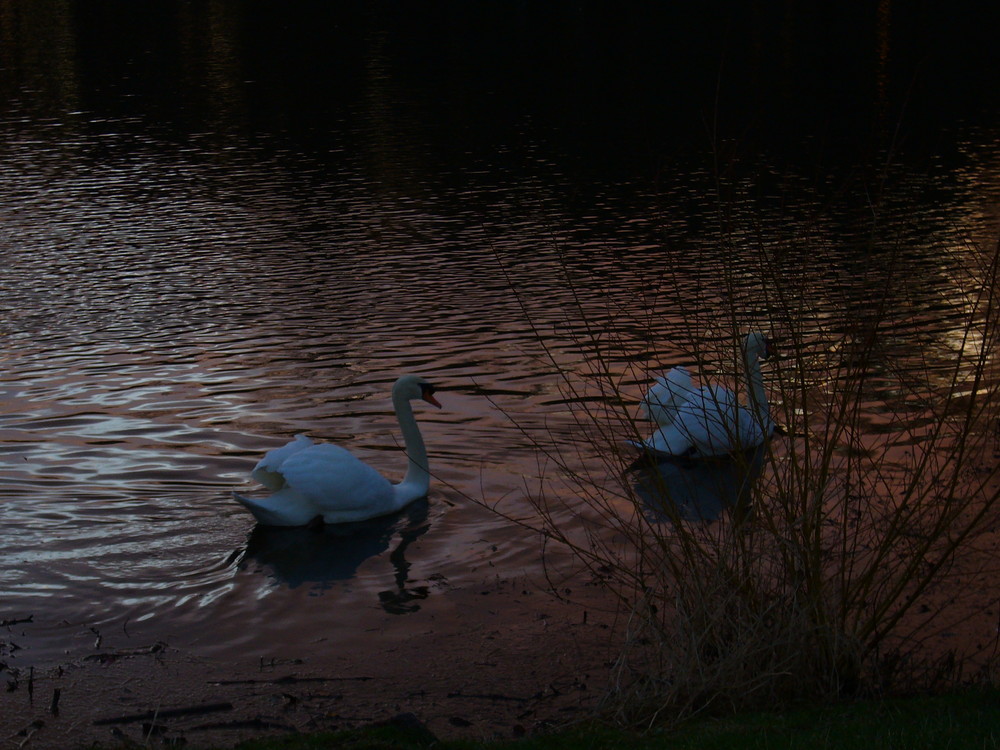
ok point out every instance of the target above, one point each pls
(222, 225)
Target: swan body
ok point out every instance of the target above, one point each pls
(710, 421)
(309, 480)
(666, 395)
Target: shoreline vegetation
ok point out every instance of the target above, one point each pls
(853, 536)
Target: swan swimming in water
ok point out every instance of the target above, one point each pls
(310, 479)
(709, 421)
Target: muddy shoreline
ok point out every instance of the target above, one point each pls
(506, 661)
(496, 660)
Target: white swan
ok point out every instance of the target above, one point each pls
(710, 421)
(310, 479)
(666, 395)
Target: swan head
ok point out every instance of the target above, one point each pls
(411, 387)
(757, 344)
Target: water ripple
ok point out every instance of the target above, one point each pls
(168, 314)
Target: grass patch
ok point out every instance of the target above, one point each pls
(955, 721)
(966, 720)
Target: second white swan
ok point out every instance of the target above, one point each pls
(310, 479)
(709, 421)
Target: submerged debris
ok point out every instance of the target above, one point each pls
(106, 657)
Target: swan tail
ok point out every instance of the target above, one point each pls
(273, 480)
(660, 446)
(268, 469)
(285, 508)
(643, 449)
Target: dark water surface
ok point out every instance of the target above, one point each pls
(222, 224)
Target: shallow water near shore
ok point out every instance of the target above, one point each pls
(182, 293)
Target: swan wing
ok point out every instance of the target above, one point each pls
(709, 420)
(338, 485)
(669, 440)
(666, 395)
(699, 425)
(718, 424)
(268, 469)
(710, 423)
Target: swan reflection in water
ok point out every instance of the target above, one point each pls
(698, 489)
(325, 554)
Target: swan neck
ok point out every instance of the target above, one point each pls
(417, 480)
(755, 387)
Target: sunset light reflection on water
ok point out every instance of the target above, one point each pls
(190, 281)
